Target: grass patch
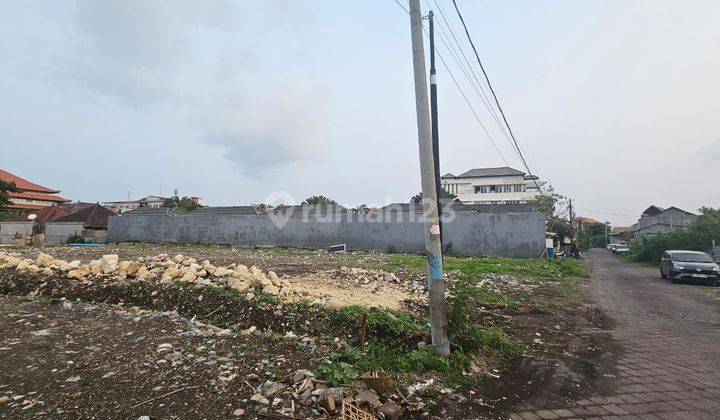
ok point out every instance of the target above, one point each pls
(344, 367)
(477, 267)
(381, 322)
(468, 335)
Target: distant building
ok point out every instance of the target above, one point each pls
(657, 220)
(30, 196)
(494, 186)
(151, 201)
(585, 221)
(618, 234)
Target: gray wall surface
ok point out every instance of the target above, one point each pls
(8, 230)
(471, 233)
(59, 232)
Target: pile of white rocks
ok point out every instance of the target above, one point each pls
(365, 276)
(161, 268)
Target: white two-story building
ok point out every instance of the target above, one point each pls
(494, 186)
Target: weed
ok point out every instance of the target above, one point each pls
(380, 322)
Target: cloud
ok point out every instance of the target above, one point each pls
(286, 126)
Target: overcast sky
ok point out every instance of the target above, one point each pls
(617, 103)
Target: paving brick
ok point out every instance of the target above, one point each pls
(596, 409)
(614, 409)
(528, 415)
(630, 398)
(547, 414)
(563, 412)
(648, 416)
(580, 411)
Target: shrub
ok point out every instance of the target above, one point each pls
(76, 239)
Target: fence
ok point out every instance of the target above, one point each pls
(471, 233)
(9, 231)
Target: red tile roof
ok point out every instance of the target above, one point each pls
(587, 220)
(38, 196)
(24, 184)
(46, 214)
(95, 216)
(15, 206)
(620, 229)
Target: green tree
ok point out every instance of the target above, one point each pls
(444, 195)
(319, 199)
(698, 236)
(547, 203)
(5, 188)
(182, 204)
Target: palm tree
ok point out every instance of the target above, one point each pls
(319, 199)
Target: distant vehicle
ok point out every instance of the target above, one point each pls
(621, 248)
(680, 265)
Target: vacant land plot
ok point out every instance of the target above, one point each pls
(518, 328)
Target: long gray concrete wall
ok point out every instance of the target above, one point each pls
(9, 230)
(471, 233)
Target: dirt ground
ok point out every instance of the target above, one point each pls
(102, 360)
(72, 360)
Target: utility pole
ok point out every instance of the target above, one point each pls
(571, 219)
(434, 119)
(433, 244)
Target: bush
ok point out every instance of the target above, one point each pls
(76, 239)
(698, 236)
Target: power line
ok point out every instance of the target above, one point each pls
(482, 93)
(462, 93)
(472, 109)
(497, 102)
(402, 7)
(476, 84)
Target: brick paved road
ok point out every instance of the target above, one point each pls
(670, 334)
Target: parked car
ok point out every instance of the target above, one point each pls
(680, 265)
(609, 247)
(621, 248)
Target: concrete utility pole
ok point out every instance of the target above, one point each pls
(434, 119)
(433, 244)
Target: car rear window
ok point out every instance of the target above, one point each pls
(691, 257)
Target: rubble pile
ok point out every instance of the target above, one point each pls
(500, 283)
(351, 401)
(333, 289)
(161, 268)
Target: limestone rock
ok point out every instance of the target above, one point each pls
(24, 264)
(260, 277)
(271, 289)
(170, 274)
(133, 269)
(96, 268)
(239, 285)
(222, 272)
(45, 260)
(190, 276)
(208, 267)
(274, 279)
(78, 273)
(109, 263)
(143, 274)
